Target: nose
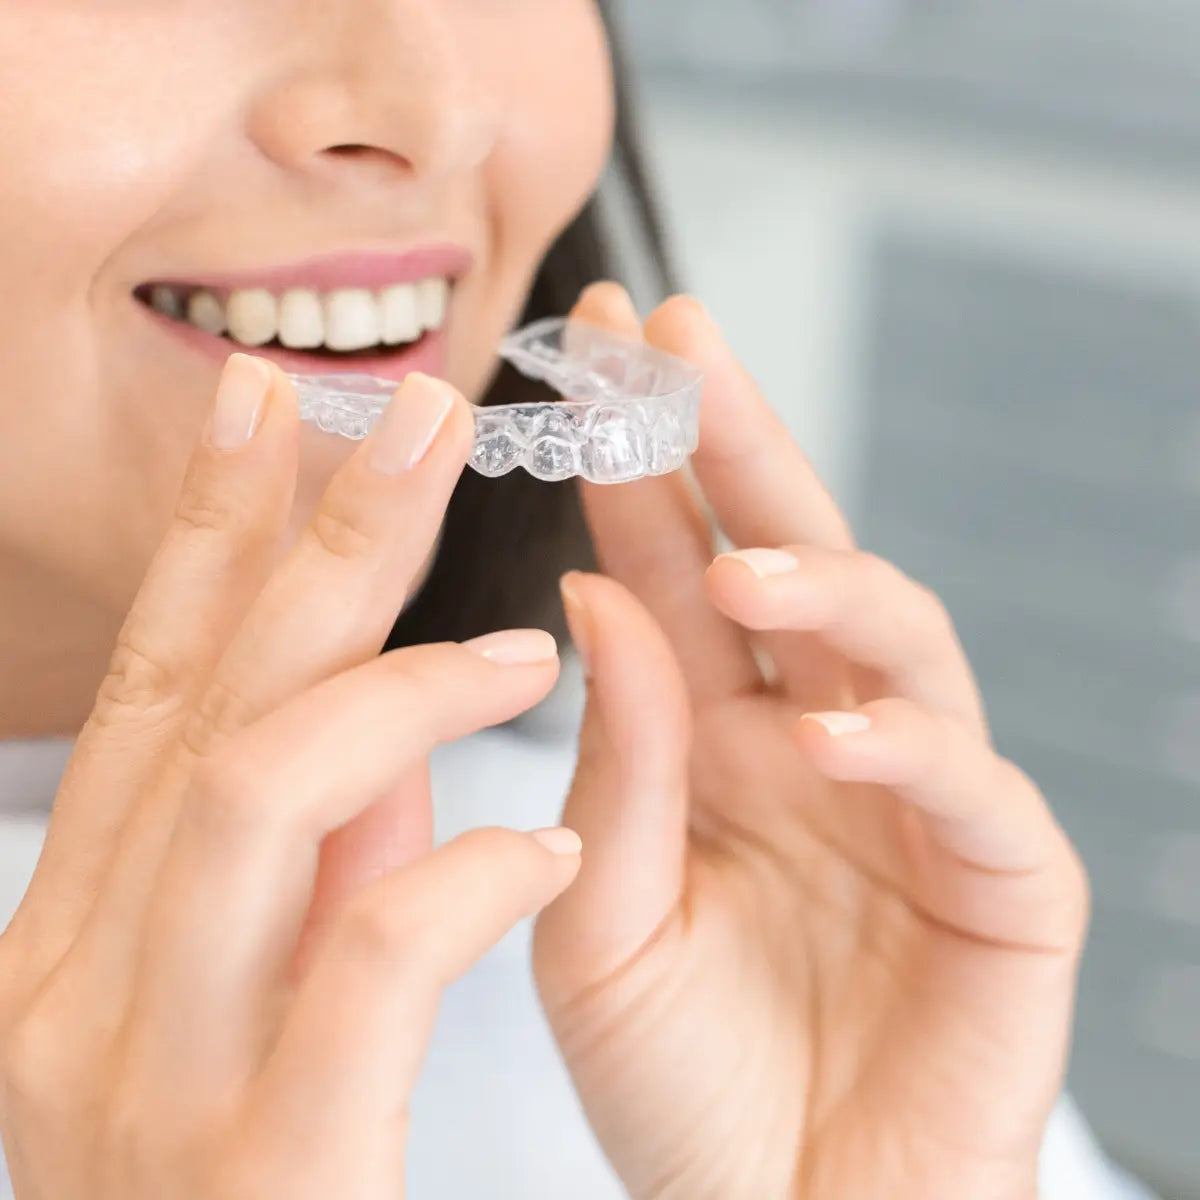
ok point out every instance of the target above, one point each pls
(374, 87)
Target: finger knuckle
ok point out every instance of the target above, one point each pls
(203, 508)
(341, 529)
(935, 616)
(138, 680)
(1077, 890)
(425, 686)
(869, 579)
(1071, 890)
(37, 1076)
(885, 578)
(875, 569)
(412, 669)
(221, 712)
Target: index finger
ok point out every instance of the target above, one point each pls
(654, 537)
(761, 486)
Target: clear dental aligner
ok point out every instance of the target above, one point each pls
(628, 410)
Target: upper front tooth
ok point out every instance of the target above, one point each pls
(431, 302)
(253, 316)
(400, 316)
(351, 319)
(301, 322)
(166, 300)
(206, 312)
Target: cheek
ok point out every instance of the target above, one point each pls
(89, 152)
(90, 156)
(555, 127)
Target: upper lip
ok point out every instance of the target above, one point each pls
(349, 269)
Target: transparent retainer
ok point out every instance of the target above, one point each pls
(628, 410)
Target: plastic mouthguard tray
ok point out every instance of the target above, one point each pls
(628, 410)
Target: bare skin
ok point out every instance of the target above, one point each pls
(804, 956)
(840, 935)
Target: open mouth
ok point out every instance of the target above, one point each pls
(340, 325)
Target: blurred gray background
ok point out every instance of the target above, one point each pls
(959, 243)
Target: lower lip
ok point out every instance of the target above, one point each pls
(427, 355)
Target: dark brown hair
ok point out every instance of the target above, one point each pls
(506, 541)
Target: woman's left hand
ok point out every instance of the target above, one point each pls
(825, 941)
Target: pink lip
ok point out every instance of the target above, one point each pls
(323, 273)
(427, 355)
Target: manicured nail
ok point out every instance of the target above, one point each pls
(839, 723)
(515, 647)
(237, 411)
(559, 841)
(577, 621)
(765, 563)
(410, 424)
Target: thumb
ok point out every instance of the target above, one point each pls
(629, 798)
(353, 1042)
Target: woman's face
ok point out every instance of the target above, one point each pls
(289, 170)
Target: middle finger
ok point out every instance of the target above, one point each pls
(763, 489)
(866, 610)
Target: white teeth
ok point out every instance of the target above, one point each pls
(253, 316)
(301, 322)
(167, 301)
(401, 321)
(342, 320)
(206, 312)
(351, 319)
(431, 302)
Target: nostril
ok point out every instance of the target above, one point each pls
(359, 154)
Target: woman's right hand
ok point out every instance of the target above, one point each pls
(223, 977)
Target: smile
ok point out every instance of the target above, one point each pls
(354, 309)
(341, 321)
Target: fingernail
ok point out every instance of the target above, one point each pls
(244, 384)
(515, 647)
(765, 563)
(410, 424)
(577, 621)
(559, 841)
(839, 723)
